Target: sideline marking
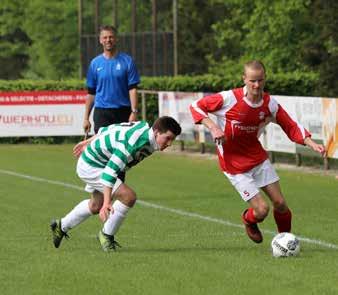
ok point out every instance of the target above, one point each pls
(159, 207)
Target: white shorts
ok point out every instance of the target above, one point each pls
(92, 177)
(248, 183)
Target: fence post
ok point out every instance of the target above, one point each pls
(202, 148)
(181, 145)
(298, 159)
(144, 109)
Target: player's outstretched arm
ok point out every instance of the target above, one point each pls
(319, 148)
(80, 147)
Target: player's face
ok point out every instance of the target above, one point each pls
(164, 139)
(254, 80)
(108, 40)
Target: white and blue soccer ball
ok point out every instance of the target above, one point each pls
(285, 245)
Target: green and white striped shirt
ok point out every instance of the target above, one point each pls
(119, 147)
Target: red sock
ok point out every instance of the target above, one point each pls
(249, 216)
(283, 220)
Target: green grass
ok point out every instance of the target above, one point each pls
(163, 252)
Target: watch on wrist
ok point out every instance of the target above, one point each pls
(135, 111)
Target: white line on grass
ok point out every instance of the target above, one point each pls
(159, 207)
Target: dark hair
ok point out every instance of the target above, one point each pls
(254, 64)
(108, 28)
(165, 123)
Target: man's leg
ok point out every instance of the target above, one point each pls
(281, 212)
(256, 213)
(125, 199)
(80, 213)
(258, 209)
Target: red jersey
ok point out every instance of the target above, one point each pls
(242, 122)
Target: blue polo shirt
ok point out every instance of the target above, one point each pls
(112, 77)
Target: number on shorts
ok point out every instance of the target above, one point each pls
(246, 193)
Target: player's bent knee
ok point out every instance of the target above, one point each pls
(262, 212)
(130, 198)
(95, 206)
(127, 196)
(280, 205)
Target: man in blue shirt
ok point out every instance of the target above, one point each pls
(112, 81)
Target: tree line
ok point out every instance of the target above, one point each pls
(39, 39)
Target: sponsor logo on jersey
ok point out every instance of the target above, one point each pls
(237, 125)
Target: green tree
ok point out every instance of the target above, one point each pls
(195, 33)
(289, 36)
(14, 41)
(319, 50)
(275, 31)
(52, 27)
(265, 30)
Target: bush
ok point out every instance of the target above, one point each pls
(295, 83)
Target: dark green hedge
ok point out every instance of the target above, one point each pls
(297, 83)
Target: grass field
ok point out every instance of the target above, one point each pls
(183, 237)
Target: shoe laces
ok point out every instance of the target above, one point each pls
(62, 233)
(112, 243)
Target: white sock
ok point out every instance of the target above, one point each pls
(115, 218)
(79, 214)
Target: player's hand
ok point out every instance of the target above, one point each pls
(79, 148)
(105, 211)
(86, 126)
(319, 148)
(217, 135)
(132, 117)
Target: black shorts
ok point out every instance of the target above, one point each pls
(105, 117)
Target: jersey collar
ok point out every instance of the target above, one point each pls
(254, 105)
(152, 140)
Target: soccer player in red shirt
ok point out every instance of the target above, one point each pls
(241, 114)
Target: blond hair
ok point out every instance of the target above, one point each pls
(255, 65)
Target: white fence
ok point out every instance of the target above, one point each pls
(316, 114)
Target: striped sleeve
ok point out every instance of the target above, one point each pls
(115, 165)
(134, 138)
(199, 109)
(296, 132)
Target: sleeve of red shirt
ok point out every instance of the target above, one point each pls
(296, 132)
(199, 109)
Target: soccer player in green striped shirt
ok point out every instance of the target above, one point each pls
(101, 158)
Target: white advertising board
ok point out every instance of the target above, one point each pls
(41, 113)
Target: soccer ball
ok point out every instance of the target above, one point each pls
(285, 245)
